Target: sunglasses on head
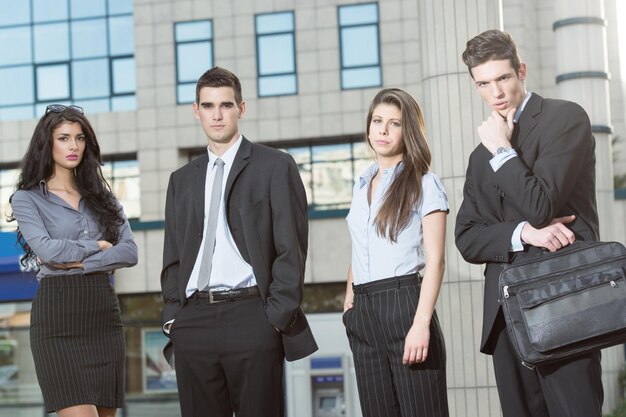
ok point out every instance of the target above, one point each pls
(60, 108)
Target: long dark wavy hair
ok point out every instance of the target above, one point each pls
(404, 192)
(38, 165)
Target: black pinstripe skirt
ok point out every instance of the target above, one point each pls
(77, 340)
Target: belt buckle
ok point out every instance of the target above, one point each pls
(211, 299)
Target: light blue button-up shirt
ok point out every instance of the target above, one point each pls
(375, 257)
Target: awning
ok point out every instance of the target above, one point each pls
(15, 284)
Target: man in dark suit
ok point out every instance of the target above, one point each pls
(530, 186)
(232, 293)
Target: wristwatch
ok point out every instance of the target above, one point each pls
(501, 149)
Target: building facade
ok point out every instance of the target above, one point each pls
(308, 70)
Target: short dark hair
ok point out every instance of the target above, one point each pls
(219, 77)
(491, 45)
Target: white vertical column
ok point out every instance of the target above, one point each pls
(453, 110)
(582, 76)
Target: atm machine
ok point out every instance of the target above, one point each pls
(323, 384)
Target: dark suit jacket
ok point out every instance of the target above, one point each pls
(266, 210)
(553, 176)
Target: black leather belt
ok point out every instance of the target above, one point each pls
(226, 295)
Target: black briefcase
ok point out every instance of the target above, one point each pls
(562, 304)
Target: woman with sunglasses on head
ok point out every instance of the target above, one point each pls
(397, 222)
(73, 228)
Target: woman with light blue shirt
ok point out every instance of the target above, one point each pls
(397, 223)
(74, 230)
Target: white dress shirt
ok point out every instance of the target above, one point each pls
(229, 269)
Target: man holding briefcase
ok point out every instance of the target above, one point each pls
(530, 185)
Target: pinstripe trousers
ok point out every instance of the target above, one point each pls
(376, 327)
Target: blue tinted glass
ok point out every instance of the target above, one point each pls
(194, 31)
(124, 103)
(193, 59)
(16, 113)
(90, 78)
(53, 82)
(186, 93)
(277, 85)
(14, 12)
(359, 46)
(49, 10)
(15, 46)
(121, 35)
(274, 23)
(358, 15)
(89, 38)
(52, 43)
(91, 8)
(361, 78)
(120, 6)
(124, 76)
(276, 54)
(336, 152)
(94, 106)
(16, 85)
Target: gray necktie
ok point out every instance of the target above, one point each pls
(211, 227)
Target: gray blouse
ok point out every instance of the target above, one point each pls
(57, 233)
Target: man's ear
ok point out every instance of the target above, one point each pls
(196, 112)
(522, 71)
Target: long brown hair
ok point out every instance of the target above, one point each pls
(38, 164)
(404, 192)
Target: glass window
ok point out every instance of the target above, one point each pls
(120, 6)
(49, 10)
(66, 51)
(89, 38)
(193, 31)
(123, 177)
(124, 103)
(8, 180)
(90, 78)
(14, 12)
(329, 172)
(93, 106)
(123, 75)
(16, 84)
(53, 82)
(92, 8)
(359, 46)
(194, 55)
(276, 54)
(15, 45)
(121, 35)
(51, 42)
(192, 60)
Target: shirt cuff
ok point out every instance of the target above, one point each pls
(516, 240)
(499, 160)
(166, 328)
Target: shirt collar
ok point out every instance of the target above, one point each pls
(371, 171)
(43, 187)
(518, 114)
(229, 156)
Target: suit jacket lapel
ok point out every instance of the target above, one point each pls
(197, 184)
(240, 162)
(528, 120)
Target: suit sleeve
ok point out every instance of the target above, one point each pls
(542, 192)
(171, 259)
(290, 230)
(478, 240)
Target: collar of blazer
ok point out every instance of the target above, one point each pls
(529, 118)
(199, 178)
